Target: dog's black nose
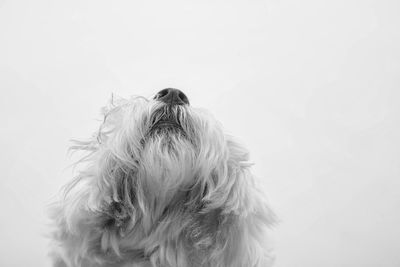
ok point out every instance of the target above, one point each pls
(172, 96)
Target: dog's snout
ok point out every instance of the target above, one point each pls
(172, 96)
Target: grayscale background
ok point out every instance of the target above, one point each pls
(310, 87)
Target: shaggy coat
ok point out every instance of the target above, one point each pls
(161, 186)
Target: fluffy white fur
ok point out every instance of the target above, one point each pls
(161, 197)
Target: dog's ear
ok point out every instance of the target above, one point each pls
(100, 205)
(232, 185)
(245, 214)
(116, 180)
(246, 193)
(104, 193)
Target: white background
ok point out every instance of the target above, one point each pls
(310, 87)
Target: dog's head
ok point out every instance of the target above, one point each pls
(161, 170)
(151, 152)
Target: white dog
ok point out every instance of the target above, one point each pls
(163, 186)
